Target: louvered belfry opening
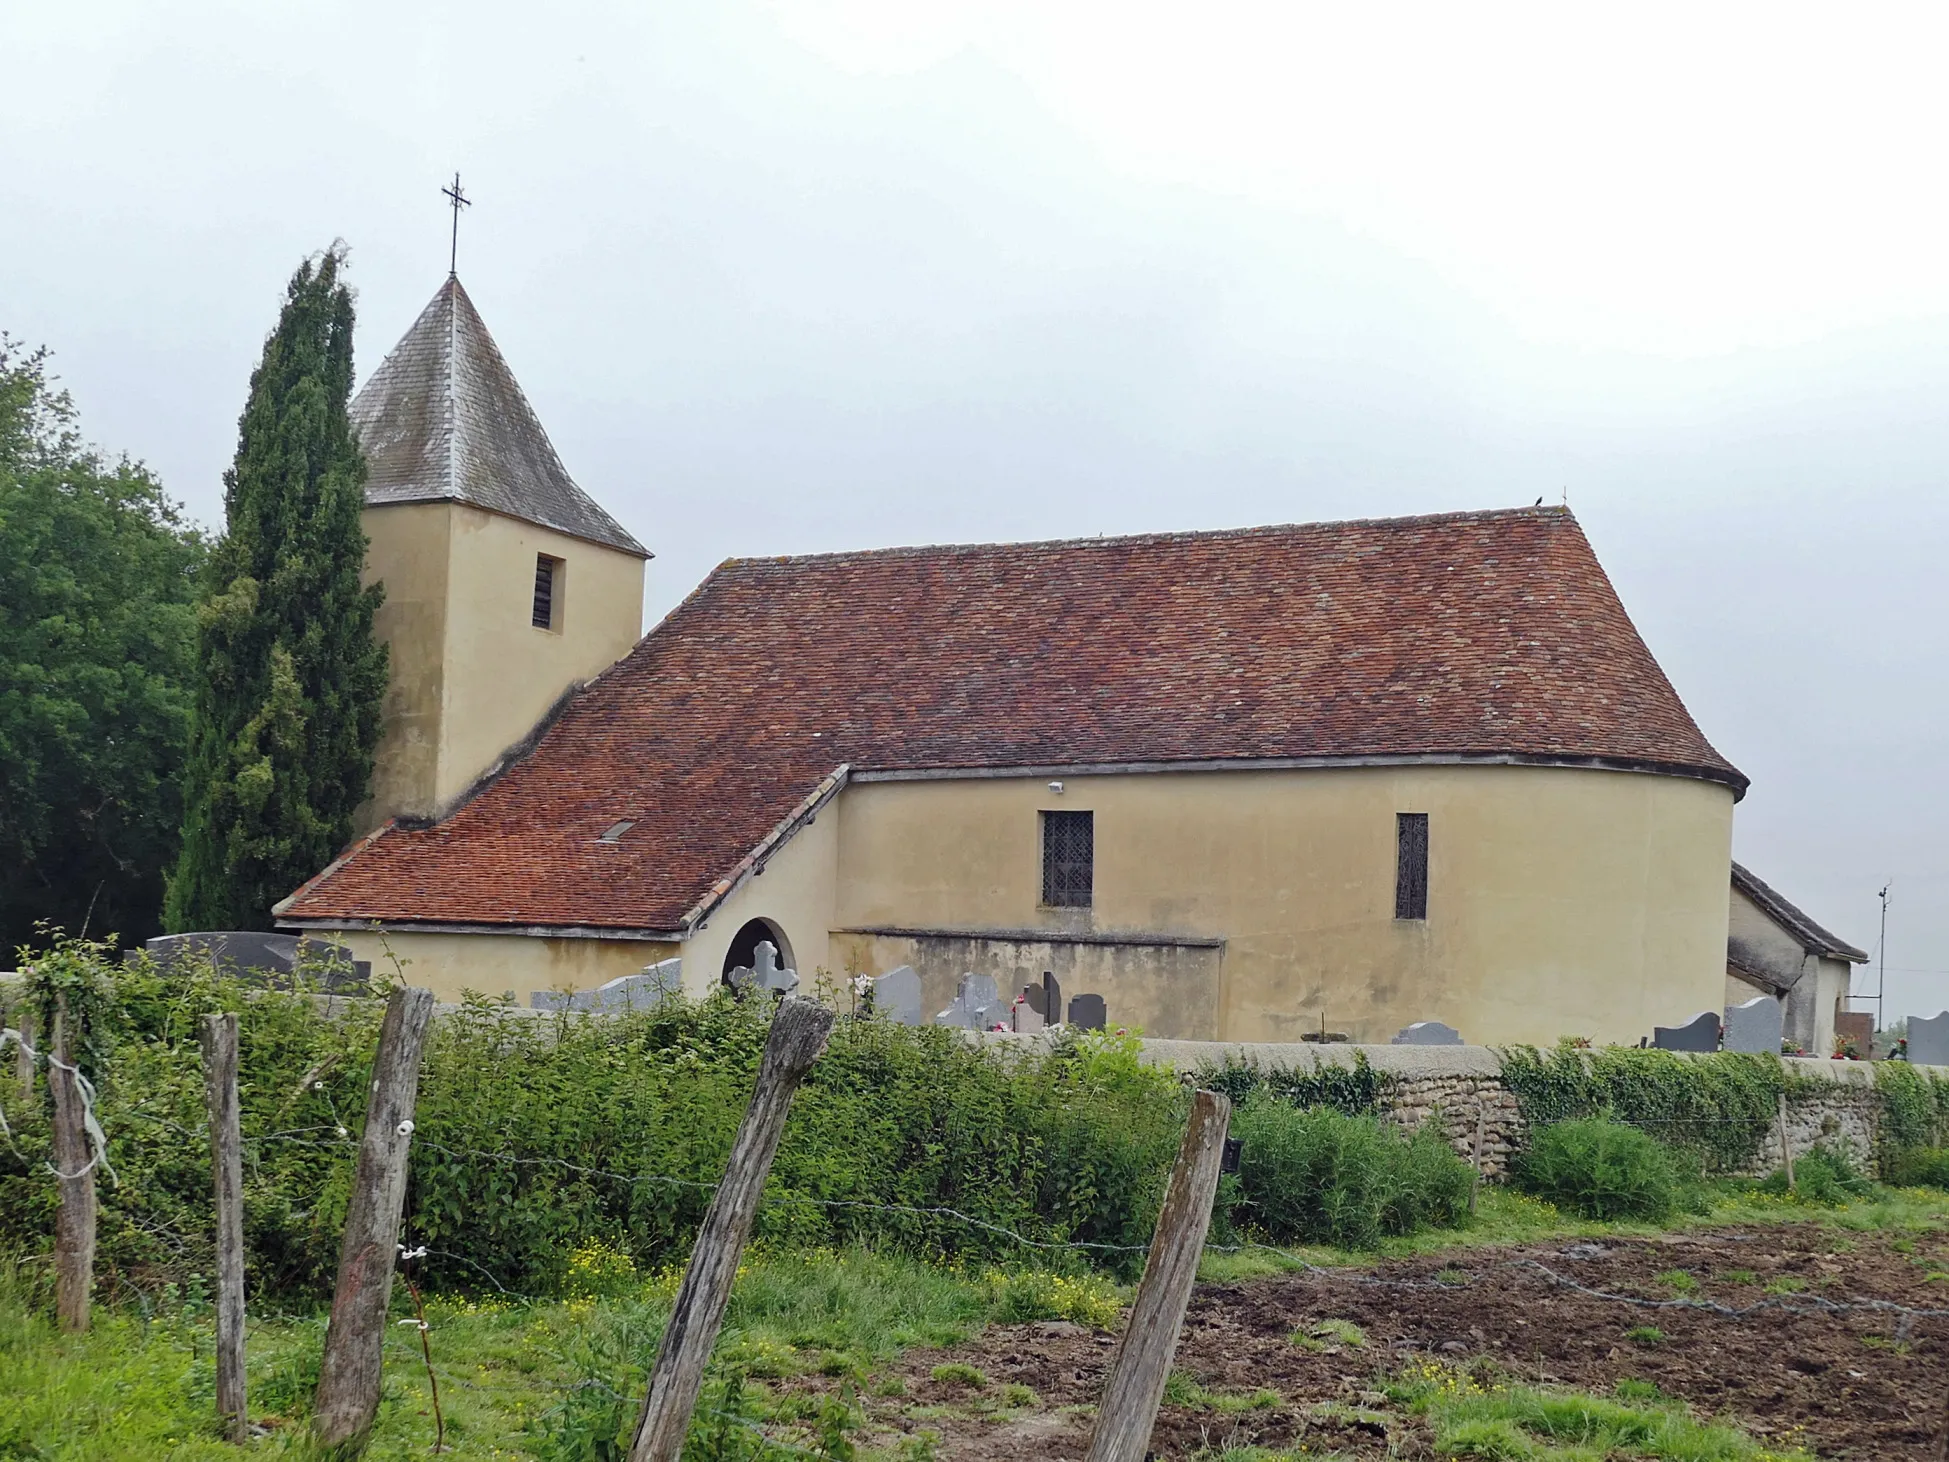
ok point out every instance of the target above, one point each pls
(1068, 859)
(1411, 865)
(544, 615)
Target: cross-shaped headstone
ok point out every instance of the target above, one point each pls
(763, 973)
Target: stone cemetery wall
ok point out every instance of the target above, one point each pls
(1450, 1084)
(1455, 1101)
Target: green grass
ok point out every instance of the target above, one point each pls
(1182, 1389)
(516, 1380)
(1506, 1217)
(1511, 1423)
(1327, 1333)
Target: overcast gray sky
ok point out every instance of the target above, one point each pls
(802, 276)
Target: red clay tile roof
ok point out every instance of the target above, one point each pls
(1479, 634)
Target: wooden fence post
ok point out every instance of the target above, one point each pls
(74, 1221)
(227, 1175)
(1786, 1147)
(798, 1036)
(1135, 1387)
(1475, 1152)
(348, 1377)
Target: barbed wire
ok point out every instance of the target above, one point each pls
(1797, 1303)
(90, 1123)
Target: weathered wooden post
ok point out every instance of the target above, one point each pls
(1135, 1387)
(74, 1221)
(348, 1378)
(798, 1036)
(1786, 1147)
(227, 1175)
(1475, 1152)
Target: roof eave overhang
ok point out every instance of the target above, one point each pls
(753, 863)
(1727, 777)
(517, 927)
(415, 497)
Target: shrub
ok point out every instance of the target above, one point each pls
(1915, 1167)
(1824, 1176)
(1318, 1176)
(1720, 1107)
(1601, 1169)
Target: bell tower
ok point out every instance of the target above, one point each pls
(506, 584)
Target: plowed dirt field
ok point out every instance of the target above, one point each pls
(1798, 1350)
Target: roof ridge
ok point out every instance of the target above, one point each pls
(1173, 535)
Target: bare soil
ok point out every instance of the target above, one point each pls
(1859, 1383)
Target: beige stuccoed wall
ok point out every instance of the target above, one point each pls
(501, 672)
(494, 964)
(795, 894)
(1561, 901)
(471, 674)
(407, 551)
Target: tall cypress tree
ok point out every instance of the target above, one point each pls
(289, 675)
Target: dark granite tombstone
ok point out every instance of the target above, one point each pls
(1087, 1012)
(267, 959)
(1700, 1033)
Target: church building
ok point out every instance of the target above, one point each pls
(1245, 785)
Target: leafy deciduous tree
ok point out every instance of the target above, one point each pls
(97, 645)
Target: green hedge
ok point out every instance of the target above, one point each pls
(1719, 1108)
(522, 1120)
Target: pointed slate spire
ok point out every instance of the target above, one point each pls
(443, 419)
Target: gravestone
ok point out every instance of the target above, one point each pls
(1427, 1033)
(1088, 1013)
(266, 959)
(1755, 1025)
(1700, 1033)
(644, 990)
(1928, 1039)
(1023, 1014)
(1045, 999)
(1857, 1026)
(978, 1005)
(896, 996)
(763, 973)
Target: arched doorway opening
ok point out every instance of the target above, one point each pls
(743, 953)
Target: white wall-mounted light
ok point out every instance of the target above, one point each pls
(1056, 787)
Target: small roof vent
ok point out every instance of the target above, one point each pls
(616, 831)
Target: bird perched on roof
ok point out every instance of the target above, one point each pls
(1537, 504)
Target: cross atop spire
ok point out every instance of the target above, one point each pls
(459, 201)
